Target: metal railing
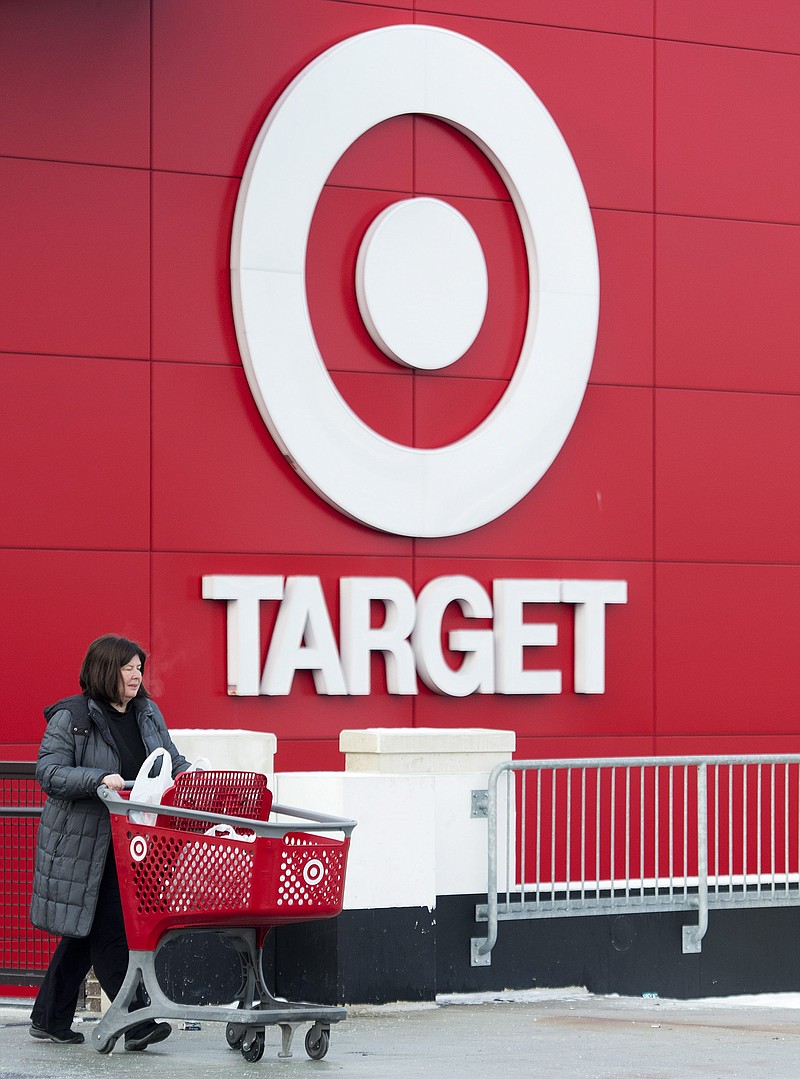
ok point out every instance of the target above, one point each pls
(24, 951)
(640, 834)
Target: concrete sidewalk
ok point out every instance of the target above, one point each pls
(567, 1034)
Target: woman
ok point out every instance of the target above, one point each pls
(102, 736)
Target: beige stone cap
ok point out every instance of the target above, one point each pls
(427, 740)
(425, 750)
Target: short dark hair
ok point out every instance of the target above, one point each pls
(100, 670)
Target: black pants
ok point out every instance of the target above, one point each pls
(105, 949)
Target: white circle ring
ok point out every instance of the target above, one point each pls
(341, 94)
(313, 871)
(138, 848)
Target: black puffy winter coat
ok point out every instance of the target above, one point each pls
(75, 831)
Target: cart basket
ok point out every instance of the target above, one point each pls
(242, 871)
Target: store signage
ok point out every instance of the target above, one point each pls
(421, 287)
(407, 255)
(409, 634)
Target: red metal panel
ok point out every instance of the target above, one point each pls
(727, 475)
(595, 501)
(534, 748)
(56, 603)
(448, 409)
(79, 279)
(384, 402)
(192, 221)
(621, 17)
(725, 661)
(382, 157)
(75, 82)
(295, 754)
(715, 743)
(215, 79)
(448, 162)
(726, 141)
(74, 436)
(220, 483)
(599, 90)
(624, 353)
(772, 26)
(726, 304)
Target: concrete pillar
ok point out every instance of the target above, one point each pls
(410, 790)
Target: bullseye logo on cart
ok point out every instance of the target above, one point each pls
(138, 848)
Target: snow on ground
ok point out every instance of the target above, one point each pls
(577, 993)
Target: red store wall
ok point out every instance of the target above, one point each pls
(134, 458)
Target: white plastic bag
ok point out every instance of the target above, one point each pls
(149, 787)
(202, 764)
(227, 831)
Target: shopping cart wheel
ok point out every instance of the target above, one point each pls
(255, 1050)
(234, 1035)
(107, 1046)
(318, 1046)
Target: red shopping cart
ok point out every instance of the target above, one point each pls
(212, 859)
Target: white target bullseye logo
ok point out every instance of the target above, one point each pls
(421, 281)
(138, 848)
(313, 871)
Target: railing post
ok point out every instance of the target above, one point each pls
(481, 947)
(693, 934)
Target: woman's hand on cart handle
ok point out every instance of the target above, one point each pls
(114, 781)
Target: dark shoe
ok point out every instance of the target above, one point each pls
(63, 1037)
(147, 1034)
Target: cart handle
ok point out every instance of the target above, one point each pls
(319, 822)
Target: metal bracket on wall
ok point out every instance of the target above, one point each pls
(480, 803)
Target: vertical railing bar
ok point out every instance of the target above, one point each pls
(627, 832)
(511, 794)
(657, 837)
(538, 837)
(672, 832)
(598, 771)
(798, 822)
(744, 826)
(642, 820)
(612, 848)
(731, 781)
(568, 870)
(484, 947)
(786, 774)
(583, 835)
(685, 833)
(701, 795)
(553, 829)
(759, 867)
(773, 866)
(523, 837)
(716, 829)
